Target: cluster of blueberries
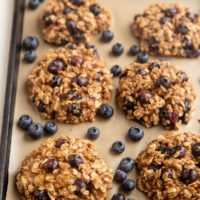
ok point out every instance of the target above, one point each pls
(118, 49)
(30, 44)
(35, 129)
(125, 166)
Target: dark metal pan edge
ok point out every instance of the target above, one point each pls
(10, 94)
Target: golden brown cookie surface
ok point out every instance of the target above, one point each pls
(156, 92)
(168, 30)
(70, 84)
(170, 167)
(73, 21)
(64, 168)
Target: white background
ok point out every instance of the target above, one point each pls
(6, 15)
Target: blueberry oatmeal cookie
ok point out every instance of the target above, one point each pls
(73, 21)
(64, 168)
(169, 168)
(155, 93)
(168, 30)
(70, 84)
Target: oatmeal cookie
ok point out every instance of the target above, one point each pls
(169, 168)
(73, 21)
(155, 93)
(64, 168)
(70, 84)
(168, 30)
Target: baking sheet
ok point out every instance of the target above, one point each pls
(111, 130)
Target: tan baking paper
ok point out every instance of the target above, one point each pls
(113, 129)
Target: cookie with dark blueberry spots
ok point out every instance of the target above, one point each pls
(71, 85)
(156, 92)
(172, 160)
(75, 21)
(168, 30)
(63, 168)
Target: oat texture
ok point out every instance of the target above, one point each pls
(70, 84)
(73, 21)
(169, 167)
(64, 168)
(168, 30)
(156, 92)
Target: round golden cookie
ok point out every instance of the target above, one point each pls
(64, 168)
(70, 84)
(154, 93)
(73, 21)
(169, 168)
(168, 30)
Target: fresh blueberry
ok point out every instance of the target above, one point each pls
(75, 109)
(50, 165)
(116, 70)
(154, 167)
(25, 121)
(93, 133)
(182, 29)
(76, 60)
(144, 97)
(41, 195)
(126, 164)
(164, 81)
(79, 186)
(50, 128)
(118, 147)
(191, 16)
(105, 111)
(128, 185)
(196, 149)
(95, 9)
(164, 20)
(77, 2)
(56, 81)
(153, 65)
(107, 36)
(93, 47)
(55, 66)
(189, 176)
(118, 196)
(117, 49)
(134, 50)
(81, 81)
(59, 142)
(30, 56)
(30, 43)
(170, 12)
(135, 133)
(120, 176)
(75, 160)
(142, 57)
(33, 4)
(36, 130)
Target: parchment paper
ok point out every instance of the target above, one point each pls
(111, 130)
